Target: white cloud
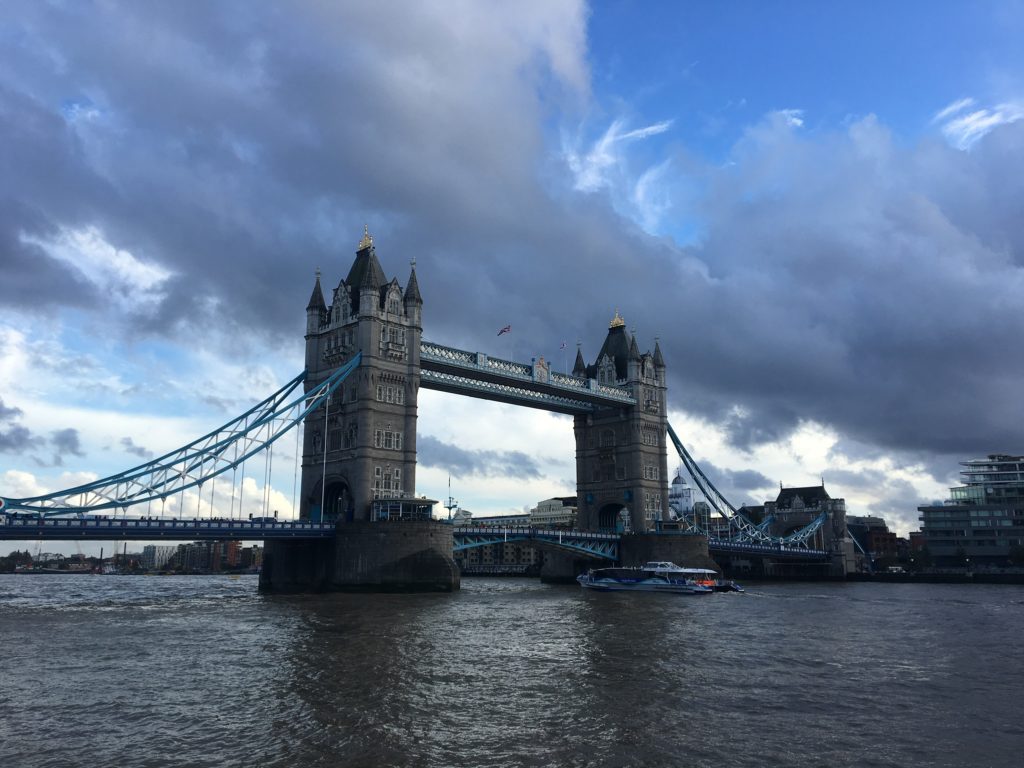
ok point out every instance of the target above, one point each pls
(963, 129)
(591, 169)
(651, 196)
(952, 109)
(119, 274)
(791, 117)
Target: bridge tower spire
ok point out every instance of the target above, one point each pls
(361, 446)
(621, 451)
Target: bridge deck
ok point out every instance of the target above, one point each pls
(599, 544)
(146, 529)
(473, 373)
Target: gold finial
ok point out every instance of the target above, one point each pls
(617, 321)
(412, 262)
(318, 273)
(367, 241)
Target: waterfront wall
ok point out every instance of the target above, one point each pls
(407, 556)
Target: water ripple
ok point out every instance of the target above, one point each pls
(187, 671)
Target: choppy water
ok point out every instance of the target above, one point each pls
(203, 671)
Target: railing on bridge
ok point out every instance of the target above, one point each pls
(151, 529)
(457, 370)
(599, 545)
(606, 545)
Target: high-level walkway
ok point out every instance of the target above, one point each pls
(479, 375)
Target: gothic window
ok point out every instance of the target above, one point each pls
(607, 437)
(351, 436)
(387, 439)
(334, 440)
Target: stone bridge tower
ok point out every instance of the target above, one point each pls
(621, 454)
(362, 445)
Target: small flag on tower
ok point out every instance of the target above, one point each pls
(506, 329)
(563, 345)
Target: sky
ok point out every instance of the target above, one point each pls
(815, 209)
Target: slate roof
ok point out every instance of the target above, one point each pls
(412, 290)
(812, 496)
(365, 273)
(316, 299)
(579, 368)
(616, 346)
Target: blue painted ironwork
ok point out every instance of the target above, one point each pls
(35, 526)
(537, 386)
(201, 460)
(779, 550)
(743, 529)
(604, 546)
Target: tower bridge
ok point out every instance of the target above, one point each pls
(360, 522)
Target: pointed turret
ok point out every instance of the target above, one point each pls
(634, 366)
(634, 350)
(316, 300)
(366, 274)
(579, 369)
(659, 361)
(316, 309)
(412, 290)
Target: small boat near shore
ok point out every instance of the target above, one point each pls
(655, 576)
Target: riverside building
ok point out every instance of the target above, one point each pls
(982, 522)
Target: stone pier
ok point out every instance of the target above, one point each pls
(399, 556)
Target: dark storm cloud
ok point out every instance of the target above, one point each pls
(130, 447)
(9, 414)
(65, 441)
(15, 438)
(863, 285)
(842, 277)
(431, 452)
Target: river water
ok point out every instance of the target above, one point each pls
(204, 671)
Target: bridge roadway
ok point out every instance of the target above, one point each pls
(155, 529)
(603, 546)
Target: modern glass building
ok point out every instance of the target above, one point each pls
(983, 520)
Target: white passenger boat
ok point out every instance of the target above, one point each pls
(656, 576)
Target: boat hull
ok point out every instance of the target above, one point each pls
(643, 585)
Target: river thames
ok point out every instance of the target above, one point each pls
(204, 671)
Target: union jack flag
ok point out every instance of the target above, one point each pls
(506, 329)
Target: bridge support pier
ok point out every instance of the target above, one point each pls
(560, 568)
(406, 556)
(690, 551)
